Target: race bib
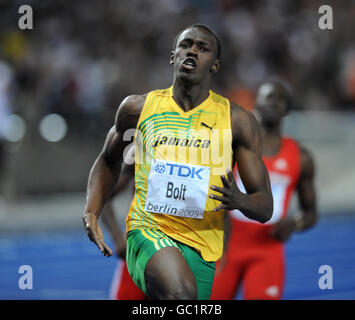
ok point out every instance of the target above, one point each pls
(177, 189)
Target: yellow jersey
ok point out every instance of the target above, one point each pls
(178, 156)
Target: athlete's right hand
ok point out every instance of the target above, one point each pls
(95, 234)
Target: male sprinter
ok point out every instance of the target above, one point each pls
(187, 139)
(255, 253)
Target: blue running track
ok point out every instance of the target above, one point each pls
(66, 265)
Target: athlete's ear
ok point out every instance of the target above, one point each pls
(216, 65)
(172, 57)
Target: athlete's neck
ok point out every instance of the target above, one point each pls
(271, 129)
(189, 96)
(271, 136)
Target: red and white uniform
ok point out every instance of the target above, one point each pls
(254, 258)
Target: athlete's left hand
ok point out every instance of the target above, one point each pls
(231, 195)
(283, 229)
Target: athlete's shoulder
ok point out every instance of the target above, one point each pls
(219, 99)
(239, 111)
(133, 103)
(296, 150)
(295, 146)
(291, 146)
(245, 128)
(160, 92)
(129, 110)
(307, 162)
(290, 140)
(242, 118)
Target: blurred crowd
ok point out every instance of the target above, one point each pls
(83, 57)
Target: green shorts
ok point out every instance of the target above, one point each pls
(142, 244)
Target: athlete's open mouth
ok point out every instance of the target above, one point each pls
(189, 64)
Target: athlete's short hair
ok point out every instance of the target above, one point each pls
(287, 92)
(204, 27)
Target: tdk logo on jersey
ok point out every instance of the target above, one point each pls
(184, 171)
(160, 167)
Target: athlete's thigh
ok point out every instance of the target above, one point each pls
(168, 276)
(202, 270)
(264, 277)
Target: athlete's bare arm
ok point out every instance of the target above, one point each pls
(306, 192)
(307, 202)
(257, 204)
(106, 170)
(108, 217)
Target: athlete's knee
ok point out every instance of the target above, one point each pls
(171, 287)
(178, 290)
(185, 291)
